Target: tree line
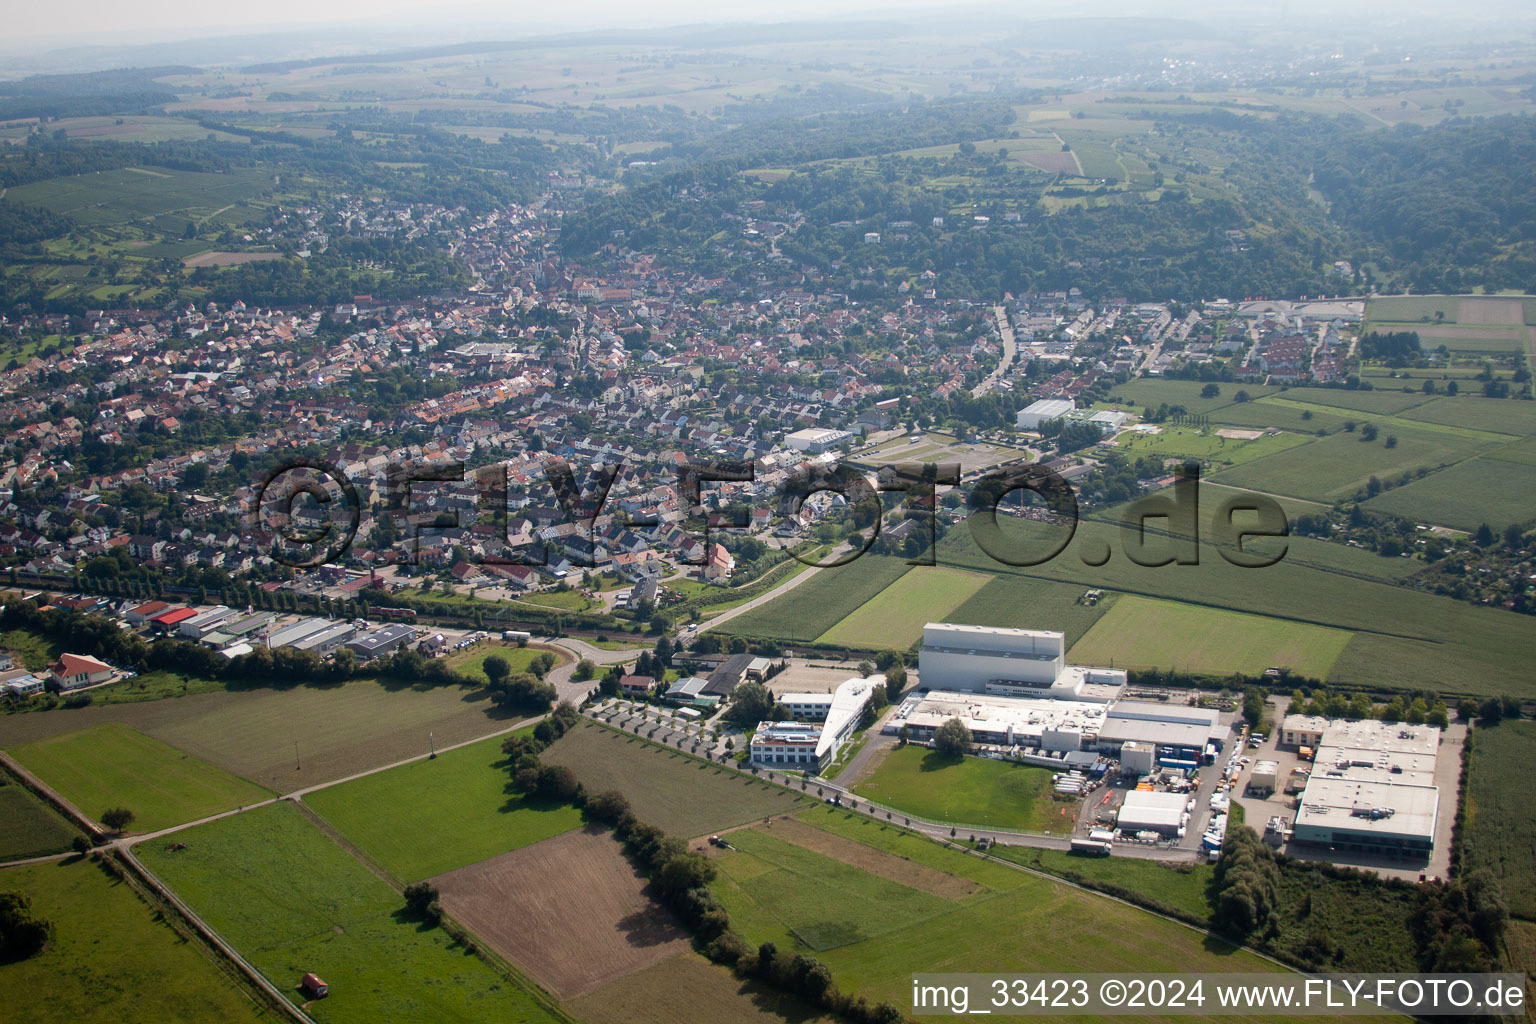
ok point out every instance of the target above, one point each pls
(680, 879)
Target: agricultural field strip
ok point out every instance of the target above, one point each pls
(999, 876)
(1291, 556)
(1393, 420)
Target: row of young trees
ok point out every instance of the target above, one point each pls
(680, 878)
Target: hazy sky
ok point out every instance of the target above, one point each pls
(114, 21)
(94, 20)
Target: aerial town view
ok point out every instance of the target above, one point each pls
(846, 513)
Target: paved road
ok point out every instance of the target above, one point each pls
(778, 591)
(937, 830)
(1010, 350)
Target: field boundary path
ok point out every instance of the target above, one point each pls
(212, 937)
(50, 794)
(939, 832)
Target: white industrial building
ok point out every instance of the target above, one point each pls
(1108, 421)
(1368, 817)
(200, 625)
(807, 706)
(324, 641)
(1302, 730)
(1138, 757)
(1010, 662)
(1372, 787)
(1146, 811)
(1013, 687)
(298, 631)
(815, 440)
(1056, 725)
(1265, 776)
(811, 746)
(1180, 733)
(1045, 409)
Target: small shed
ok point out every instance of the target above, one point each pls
(313, 987)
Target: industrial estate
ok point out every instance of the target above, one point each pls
(608, 524)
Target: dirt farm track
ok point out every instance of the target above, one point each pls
(571, 911)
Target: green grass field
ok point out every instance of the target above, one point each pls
(568, 599)
(472, 661)
(969, 791)
(1334, 468)
(894, 618)
(1017, 918)
(111, 765)
(112, 959)
(462, 800)
(688, 987)
(1400, 633)
(1410, 308)
(1152, 392)
(1501, 416)
(820, 603)
(1021, 602)
(1501, 833)
(1182, 887)
(1141, 632)
(821, 902)
(32, 828)
(1206, 445)
(140, 193)
(293, 901)
(1275, 412)
(1486, 490)
(1380, 401)
(680, 794)
(340, 730)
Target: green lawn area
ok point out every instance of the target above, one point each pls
(111, 765)
(472, 661)
(680, 794)
(1015, 919)
(822, 902)
(1181, 887)
(1405, 308)
(570, 600)
(1141, 632)
(293, 901)
(462, 800)
(968, 791)
(32, 828)
(1486, 490)
(894, 618)
(111, 959)
(32, 651)
(1273, 411)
